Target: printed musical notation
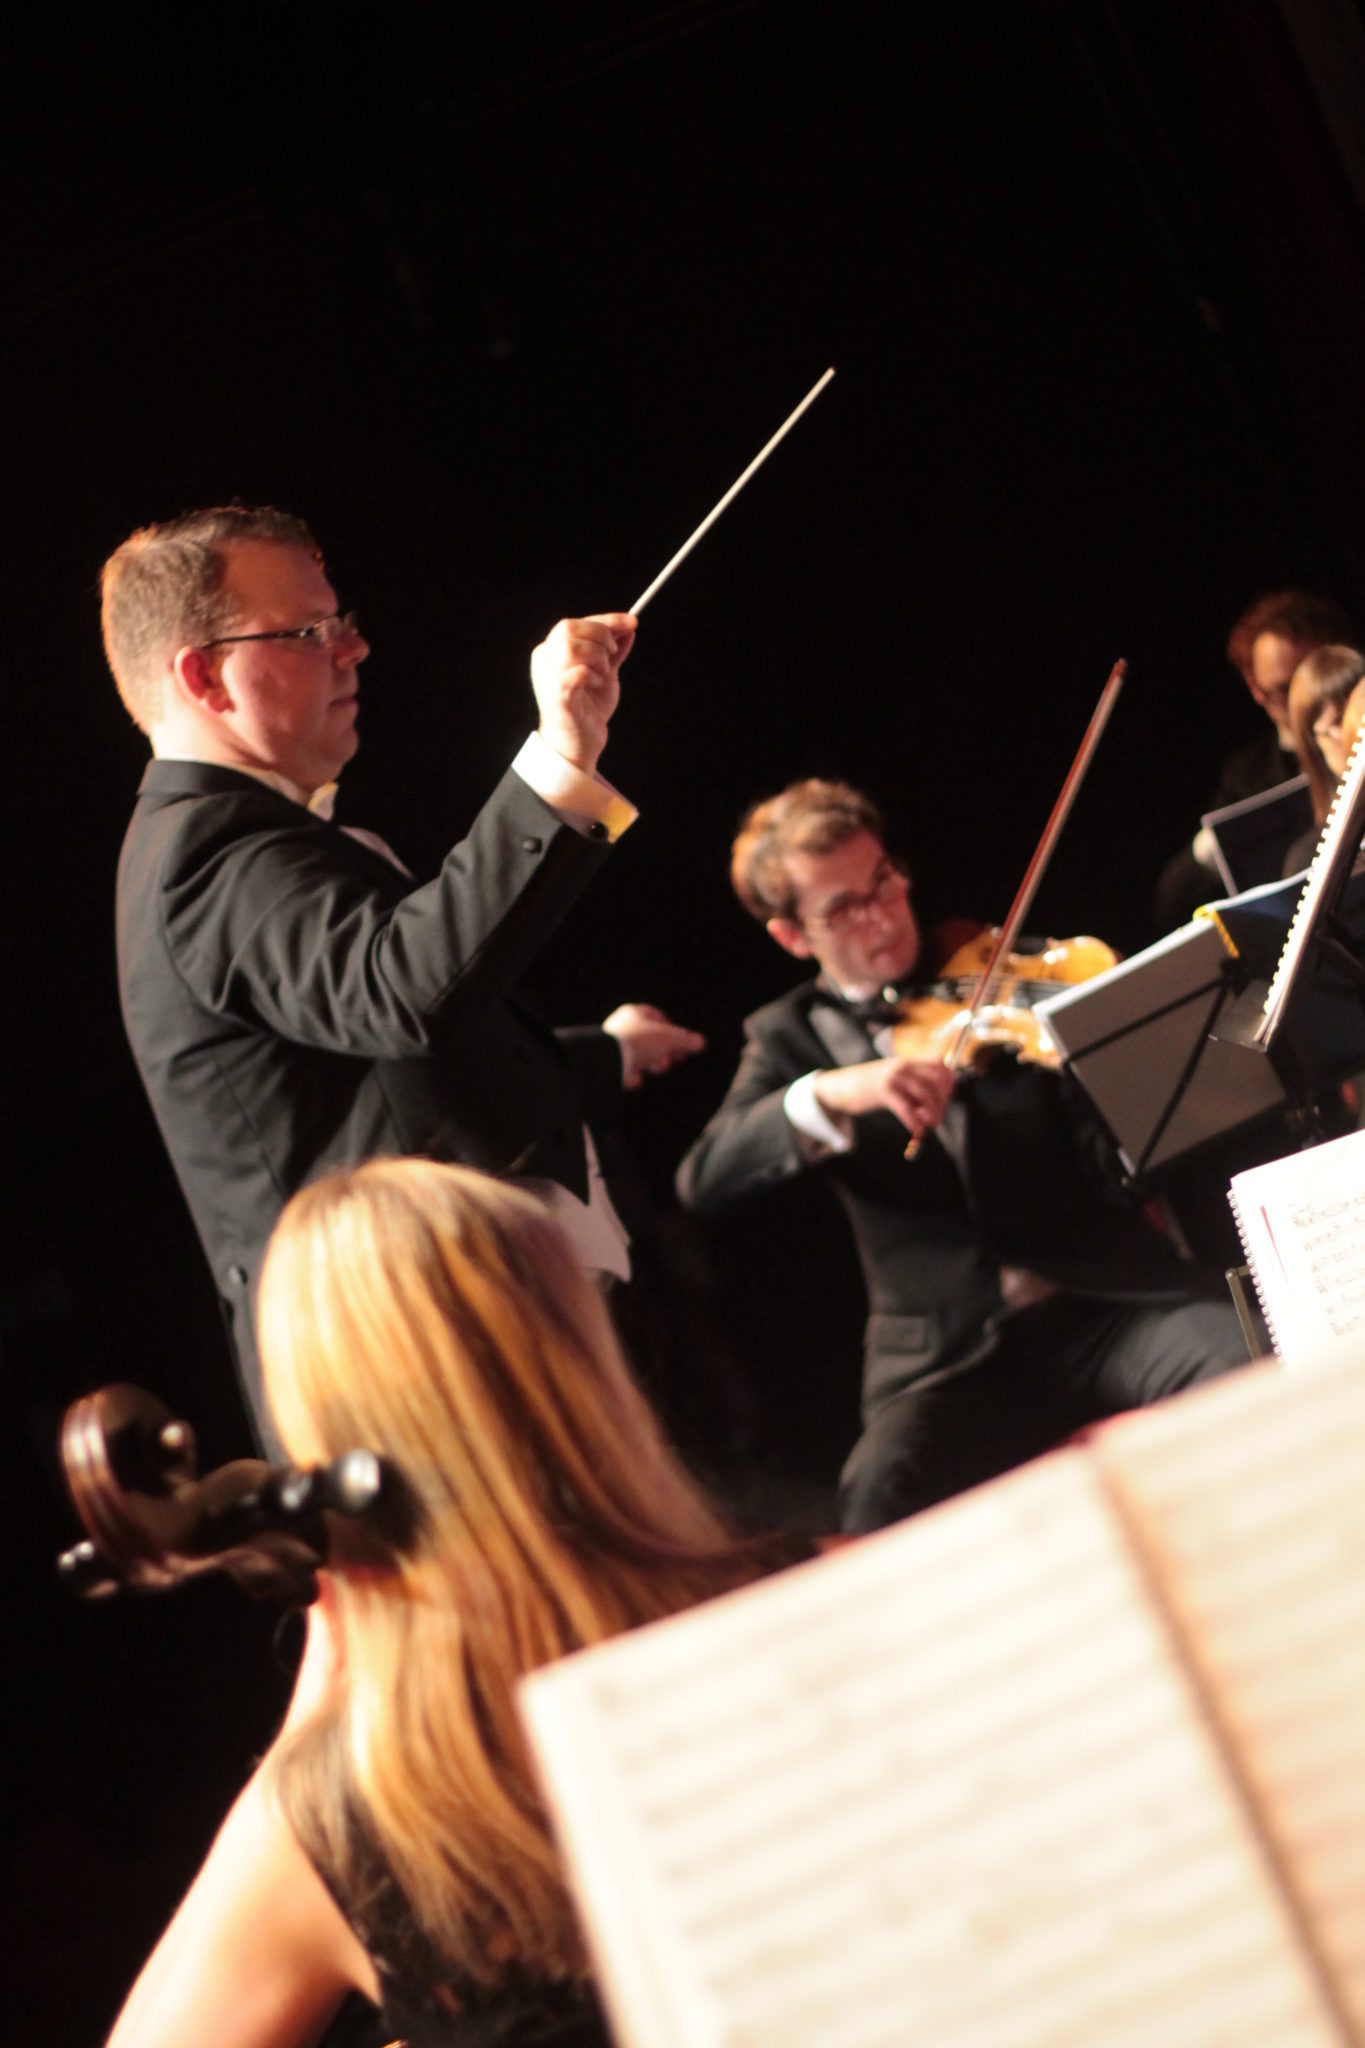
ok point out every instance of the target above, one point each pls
(970, 1784)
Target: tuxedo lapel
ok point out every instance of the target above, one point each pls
(845, 1040)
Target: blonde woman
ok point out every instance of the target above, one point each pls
(392, 1840)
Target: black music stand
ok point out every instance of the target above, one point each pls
(1227, 1020)
(1251, 839)
(1139, 1040)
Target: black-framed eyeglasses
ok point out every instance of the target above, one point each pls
(322, 633)
(890, 880)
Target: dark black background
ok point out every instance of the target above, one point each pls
(502, 299)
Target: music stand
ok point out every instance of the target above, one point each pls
(1251, 839)
(1138, 1039)
(1228, 1020)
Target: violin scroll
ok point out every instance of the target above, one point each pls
(151, 1523)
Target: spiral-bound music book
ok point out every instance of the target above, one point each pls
(1076, 1761)
(1302, 1223)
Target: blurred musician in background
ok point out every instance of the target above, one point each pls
(1267, 643)
(1318, 695)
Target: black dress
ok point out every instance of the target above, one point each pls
(422, 2003)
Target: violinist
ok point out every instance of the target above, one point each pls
(393, 1841)
(1014, 1293)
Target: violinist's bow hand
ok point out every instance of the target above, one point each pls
(576, 677)
(915, 1091)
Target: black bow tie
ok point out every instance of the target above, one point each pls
(874, 1011)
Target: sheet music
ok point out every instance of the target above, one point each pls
(1302, 1222)
(1251, 1503)
(950, 1786)
(1336, 854)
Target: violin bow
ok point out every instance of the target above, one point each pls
(1036, 869)
(736, 487)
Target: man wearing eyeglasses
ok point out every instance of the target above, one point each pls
(1013, 1295)
(1265, 646)
(294, 999)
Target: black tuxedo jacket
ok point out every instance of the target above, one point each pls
(295, 1003)
(1005, 1181)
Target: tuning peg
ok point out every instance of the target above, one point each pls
(353, 1483)
(82, 1569)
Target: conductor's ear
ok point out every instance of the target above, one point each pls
(197, 678)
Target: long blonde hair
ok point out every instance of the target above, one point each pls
(441, 1320)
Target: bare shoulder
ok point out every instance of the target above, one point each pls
(258, 1954)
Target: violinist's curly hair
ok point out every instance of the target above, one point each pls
(441, 1319)
(162, 590)
(806, 817)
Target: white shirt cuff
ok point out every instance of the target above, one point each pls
(820, 1132)
(586, 802)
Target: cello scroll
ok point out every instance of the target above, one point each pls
(151, 1523)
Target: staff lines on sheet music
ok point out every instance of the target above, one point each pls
(1233, 1497)
(1278, 1680)
(962, 1750)
(1082, 1999)
(1180, 1889)
(947, 1887)
(1024, 1929)
(1150, 1889)
(1236, 1596)
(1242, 2014)
(1226, 1475)
(1281, 1666)
(962, 1840)
(922, 1627)
(1340, 1321)
(770, 1708)
(1341, 1213)
(1334, 1248)
(952, 1723)
(1081, 1991)
(909, 1825)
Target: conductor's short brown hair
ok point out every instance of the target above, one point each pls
(163, 590)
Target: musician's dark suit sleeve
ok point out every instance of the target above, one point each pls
(750, 1143)
(285, 929)
(594, 1058)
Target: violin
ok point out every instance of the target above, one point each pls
(948, 1022)
(999, 954)
(151, 1523)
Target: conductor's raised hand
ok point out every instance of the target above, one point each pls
(576, 676)
(915, 1091)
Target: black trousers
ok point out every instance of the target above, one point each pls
(1042, 1373)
